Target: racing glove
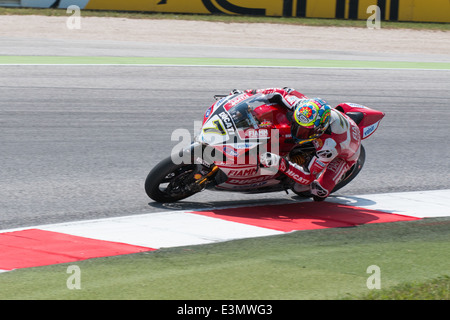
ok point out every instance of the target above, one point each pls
(236, 91)
(269, 160)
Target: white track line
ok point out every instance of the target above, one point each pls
(210, 66)
(181, 228)
(163, 229)
(420, 204)
(159, 229)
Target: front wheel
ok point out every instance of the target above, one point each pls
(170, 182)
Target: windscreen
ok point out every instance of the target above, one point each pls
(243, 114)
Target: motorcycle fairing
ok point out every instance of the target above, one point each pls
(246, 177)
(230, 127)
(366, 118)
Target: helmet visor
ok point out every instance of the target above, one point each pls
(300, 132)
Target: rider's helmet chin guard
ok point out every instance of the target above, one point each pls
(310, 120)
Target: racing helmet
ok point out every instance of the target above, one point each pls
(310, 119)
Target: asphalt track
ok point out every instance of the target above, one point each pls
(78, 141)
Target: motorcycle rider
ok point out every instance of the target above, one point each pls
(334, 135)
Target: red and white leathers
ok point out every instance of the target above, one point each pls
(336, 150)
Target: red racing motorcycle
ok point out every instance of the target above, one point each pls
(224, 156)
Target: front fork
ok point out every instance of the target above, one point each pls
(201, 180)
(206, 171)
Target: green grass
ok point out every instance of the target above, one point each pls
(435, 289)
(315, 264)
(222, 62)
(228, 18)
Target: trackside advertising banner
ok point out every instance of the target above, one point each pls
(394, 10)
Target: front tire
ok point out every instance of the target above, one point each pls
(170, 182)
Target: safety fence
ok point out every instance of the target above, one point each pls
(392, 10)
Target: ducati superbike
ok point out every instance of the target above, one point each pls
(224, 156)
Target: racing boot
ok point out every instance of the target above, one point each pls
(319, 193)
(325, 183)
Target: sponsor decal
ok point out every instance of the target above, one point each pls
(245, 145)
(230, 151)
(208, 112)
(367, 131)
(243, 172)
(249, 181)
(263, 133)
(334, 166)
(224, 7)
(254, 134)
(238, 99)
(316, 166)
(355, 133)
(202, 162)
(291, 174)
(226, 120)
